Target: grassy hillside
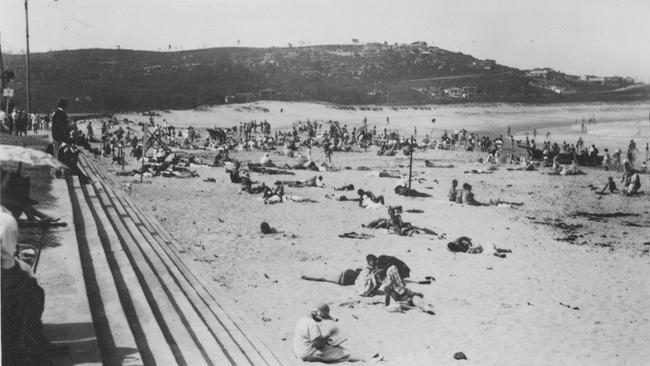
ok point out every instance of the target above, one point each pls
(103, 80)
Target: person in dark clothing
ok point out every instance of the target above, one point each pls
(23, 341)
(59, 126)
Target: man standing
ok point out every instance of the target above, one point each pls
(59, 126)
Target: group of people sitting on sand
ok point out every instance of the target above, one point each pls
(465, 196)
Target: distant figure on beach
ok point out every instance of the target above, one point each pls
(631, 182)
(453, 191)
(610, 185)
(312, 343)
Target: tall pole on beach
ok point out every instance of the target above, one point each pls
(27, 103)
(411, 163)
(144, 148)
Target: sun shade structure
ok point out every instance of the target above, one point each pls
(25, 155)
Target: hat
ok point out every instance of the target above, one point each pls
(322, 311)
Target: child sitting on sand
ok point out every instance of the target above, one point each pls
(609, 185)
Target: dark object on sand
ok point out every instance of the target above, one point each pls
(210, 180)
(460, 356)
(267, 229)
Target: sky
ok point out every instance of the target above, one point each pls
(600, 37)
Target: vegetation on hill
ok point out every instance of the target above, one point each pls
(106, 80)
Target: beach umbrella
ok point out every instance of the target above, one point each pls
(25, 155)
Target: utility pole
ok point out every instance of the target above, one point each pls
(27, 58)
(411, 164)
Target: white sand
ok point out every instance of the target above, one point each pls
(497, 311)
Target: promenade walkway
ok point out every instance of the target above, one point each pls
(146, 304)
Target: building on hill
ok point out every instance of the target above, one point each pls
(454, 92)
(539, 73)
(486, 64)
(267, 93)
(423, 57)
(469, 91)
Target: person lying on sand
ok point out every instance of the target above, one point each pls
(311, 182)
(430, 164)
(464, 244)
(298, 199)
(402, 189)
(341, 198)
(312, 340)
(345, 278)
(396, 225)
(571, 169)
(349, 187)
(611, 185)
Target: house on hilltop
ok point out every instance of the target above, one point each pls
(486, 64)
(454, 92)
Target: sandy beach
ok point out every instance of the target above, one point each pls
(574, 290)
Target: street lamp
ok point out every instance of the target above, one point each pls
(27, 58)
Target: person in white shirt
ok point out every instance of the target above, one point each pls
(312, 343)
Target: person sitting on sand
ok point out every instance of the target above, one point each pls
(345, 278)
(464, 244)
(405, 299)
(609, 185)
(381, 272)
(467, 197)
(245, 180)
(274, 195)
(631, 182)
(370, 196)
(234, 173)
(265, 161)
(556, 168)
(453, 191)
(312, 343)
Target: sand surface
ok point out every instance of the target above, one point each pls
(497, 311)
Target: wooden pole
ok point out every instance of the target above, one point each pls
(411, 164)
